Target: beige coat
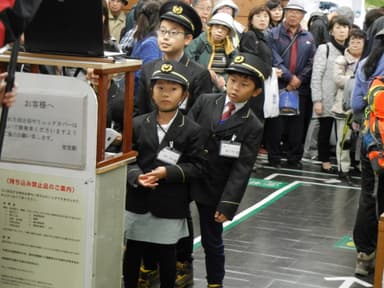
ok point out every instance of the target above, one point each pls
(343, 69)
(116, 25)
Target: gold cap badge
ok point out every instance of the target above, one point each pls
(166, 68)
(239, 59)
(177, 10)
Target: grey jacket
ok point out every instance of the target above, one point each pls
(323, 85)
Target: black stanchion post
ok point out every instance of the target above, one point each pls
(9, 84)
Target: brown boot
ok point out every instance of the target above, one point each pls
(147, 277)
(184, 274)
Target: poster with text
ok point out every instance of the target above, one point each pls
(43, 230)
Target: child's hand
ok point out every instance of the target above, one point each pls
(220, 83)
(160, 173)
(217, 80)
(147, 181)
(220, 217)
(213, 75)
(6, 99)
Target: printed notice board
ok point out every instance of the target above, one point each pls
(47, 184)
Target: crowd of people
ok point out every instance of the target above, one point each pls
(199, 122)
(317, 60)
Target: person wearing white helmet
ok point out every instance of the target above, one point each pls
(214, 48)
(230, 7)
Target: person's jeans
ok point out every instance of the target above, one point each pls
(212, 242)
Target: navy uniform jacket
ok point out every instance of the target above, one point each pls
(199, 83)
(227, 178)
(171, 198)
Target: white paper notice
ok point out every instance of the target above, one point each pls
(42, 230)
(48, 123)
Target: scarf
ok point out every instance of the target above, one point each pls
(339, 46)
(226, 43)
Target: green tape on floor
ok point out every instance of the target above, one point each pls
(266, 183)
(346, 243)
(256, 208)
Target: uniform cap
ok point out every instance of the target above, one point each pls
(182, 14)
(380, 34)
(172, 71)
(251, 65)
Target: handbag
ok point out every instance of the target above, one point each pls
(289, 103)
(271, 96)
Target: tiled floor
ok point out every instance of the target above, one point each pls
(296, 233)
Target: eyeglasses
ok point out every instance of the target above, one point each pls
(171, 33)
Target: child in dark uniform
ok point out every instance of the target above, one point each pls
(232, 134)
(179, 24)
(169, 154)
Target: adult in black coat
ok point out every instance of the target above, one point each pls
(254, 41)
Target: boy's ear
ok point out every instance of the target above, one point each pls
(188, 39)
(257, 92)
(185, 96)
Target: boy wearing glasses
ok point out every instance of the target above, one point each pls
(179, 24)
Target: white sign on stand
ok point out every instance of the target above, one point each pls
(47, 185)
(52, 121)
